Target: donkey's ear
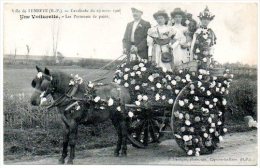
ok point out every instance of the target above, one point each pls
(38, 68)
(33, 83)
(47, 71)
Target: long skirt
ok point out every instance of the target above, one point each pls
(180, 55)
(156, 56)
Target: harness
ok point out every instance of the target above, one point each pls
(70, 97)
(71, 100)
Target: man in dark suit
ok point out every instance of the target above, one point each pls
(134, 41)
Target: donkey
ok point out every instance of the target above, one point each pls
(65, 96)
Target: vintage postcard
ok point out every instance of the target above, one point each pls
(129, 83)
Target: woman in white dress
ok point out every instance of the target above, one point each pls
(180, 45)
(158, 40)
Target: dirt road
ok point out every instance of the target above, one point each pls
(236, 149)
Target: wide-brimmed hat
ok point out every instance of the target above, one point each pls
(161, 13)
(177, 11)
(206, 14)
(136, 10)
(188, 15)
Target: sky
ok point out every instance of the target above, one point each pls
(235, 26)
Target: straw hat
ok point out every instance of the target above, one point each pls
(161, 13)
(177, 11)
(136, 10)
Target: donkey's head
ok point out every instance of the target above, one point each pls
(42, 84)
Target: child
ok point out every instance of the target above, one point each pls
(203, 40)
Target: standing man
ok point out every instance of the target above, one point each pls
(134, 41)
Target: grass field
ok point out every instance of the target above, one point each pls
(24, 140)
(19, 80)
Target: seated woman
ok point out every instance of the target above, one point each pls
(181, 40)
(158, 40)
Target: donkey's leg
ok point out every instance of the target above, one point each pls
(65, 143)
(72, 140)
(119, 135)
(124, 137)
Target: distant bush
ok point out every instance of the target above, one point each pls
(49, 60)
(68, 62)
(252, 76)
(243, 98)
(91, 63)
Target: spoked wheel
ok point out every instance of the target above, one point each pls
(144, 128)
(197, 119)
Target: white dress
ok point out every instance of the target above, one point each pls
(180, 55)
(154, 49)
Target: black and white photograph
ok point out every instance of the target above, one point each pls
(154, 83)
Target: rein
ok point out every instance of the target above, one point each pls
(102, 77)
(60, 100)
(68, 95)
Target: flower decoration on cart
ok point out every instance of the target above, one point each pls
(92, 97)
(200, 115)
(198, 118)
(205, 40)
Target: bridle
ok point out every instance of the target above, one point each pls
(68, 95)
